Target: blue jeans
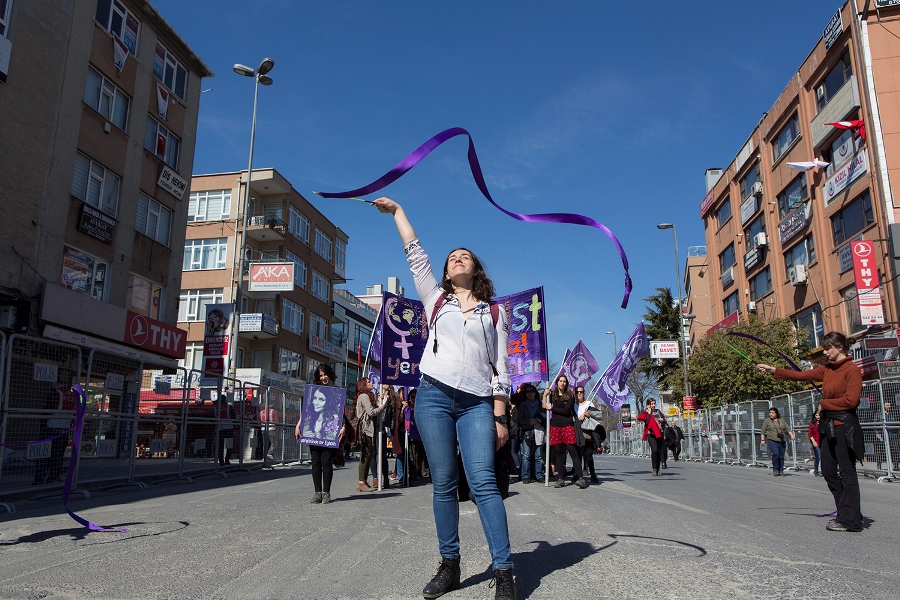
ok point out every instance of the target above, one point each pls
(448, 418)
(398, 465)
(817, 453)
(529, 450)
(777, 450)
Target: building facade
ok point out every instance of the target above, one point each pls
(100, 100)
(779, 238)
(282, 227)
(352, 329)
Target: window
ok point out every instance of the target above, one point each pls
(340, 254)
(726, 259)
(786, 137)
(84, 273)
(323, 245)
(748, 180)
(757, 226)
(339, 333)
(855, 217)
(803, 253)
(299, 268)
(724, 212)
(95, 185)
(810, 321)
(192, 303)
(193, 356)
(318, 326)
(761, 284)
(262, 359)
(145, 297)
(320, 286)
(361, 335)
(205, 254)
(169, 71)
(298, 225)
(153, 220)
(108, 100)
(117, 20)
(793, 195)
(290, 363)
(213, 205)
(730, 304)
(834, 81)
(291, 317)
(162, 142)
(5, 12)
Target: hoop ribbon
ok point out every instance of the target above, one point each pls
(425, 149)
(753, 338)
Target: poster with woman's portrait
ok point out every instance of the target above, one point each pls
(322, 415)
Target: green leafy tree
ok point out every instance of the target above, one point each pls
(662, 322)
(719, 375)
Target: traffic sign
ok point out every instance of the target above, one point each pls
(672, 411)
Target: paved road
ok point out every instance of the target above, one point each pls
(699, 531)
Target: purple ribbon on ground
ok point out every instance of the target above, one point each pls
(425, 149)
(753, 338)
(831, 514)
(80, 408)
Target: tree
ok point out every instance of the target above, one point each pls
(642, 386)
(719, 375)
(663, 318)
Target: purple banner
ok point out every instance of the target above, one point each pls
(321, 415)
(579, 366)
(403, 332)
(527, 336)
(612, 387)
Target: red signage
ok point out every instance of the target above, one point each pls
(867, 288)
(728, 321)
(690, 403)
(271, 277)
(154, 335)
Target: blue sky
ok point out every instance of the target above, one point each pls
(612, 110)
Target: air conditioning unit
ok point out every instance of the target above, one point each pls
(751, 306)
(798, 275)
(757, 189)
(760, 239)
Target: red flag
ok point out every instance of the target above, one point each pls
(358, 355)
(856, 125)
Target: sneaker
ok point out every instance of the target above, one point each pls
(559, 483)
(594, 480)
(326, 497)
(393, 477)
(363, 487)
(317, 498)
(837, 526)
(445, 580)
(581, 483)
(527, 480)
(504, 585)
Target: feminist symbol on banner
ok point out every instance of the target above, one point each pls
(407, 315)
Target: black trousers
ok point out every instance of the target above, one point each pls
(559, 460)
(657, 451)
(676, 449)
(322, 467)
(586, 453)
(839, 471)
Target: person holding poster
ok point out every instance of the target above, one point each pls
(321, 428)
(461, 402)
(367, 411)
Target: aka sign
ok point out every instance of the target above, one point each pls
(867, 288)
(664, 350)
(272, 277)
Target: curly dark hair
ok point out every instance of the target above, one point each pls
(482, 286)
(324, 369)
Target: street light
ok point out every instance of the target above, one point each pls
(615, 345)
(261, 77)
(681, 316)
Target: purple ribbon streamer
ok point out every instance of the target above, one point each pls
(831, 514)
(425, 149)
(778, 352)
(80, 408)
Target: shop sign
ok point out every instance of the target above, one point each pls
(844, 176)
(749, 208)
(728, 321)
(868, 289)
(752, 258)
(833, 30)
(172, 182)
(96, 224)
(271, 277)
(706, 203)
(793, 224)
(664, 350)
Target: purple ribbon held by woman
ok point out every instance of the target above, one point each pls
(753, 338)
(425, 149)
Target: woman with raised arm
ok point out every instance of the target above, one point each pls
(840, 434)
(461, 400)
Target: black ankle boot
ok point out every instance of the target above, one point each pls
(446, 579)
(504, 585)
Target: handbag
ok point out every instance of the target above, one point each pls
(529, 436)
(539, 435)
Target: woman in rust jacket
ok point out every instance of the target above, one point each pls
(841, 434)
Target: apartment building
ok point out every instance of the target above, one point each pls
(285, 332)
(100, 100)
(780, 231)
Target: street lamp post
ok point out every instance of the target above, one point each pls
(261, 76)
(687, 385)
(615, 344)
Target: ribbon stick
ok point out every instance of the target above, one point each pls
(80, 408)
(753, 338)
(425, 149)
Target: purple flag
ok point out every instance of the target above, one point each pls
(527, 336)
(403, 333)
(612, 388)
(579, 366)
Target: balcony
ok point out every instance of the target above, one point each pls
(839, 106)
(266, 227)
(259, 326)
